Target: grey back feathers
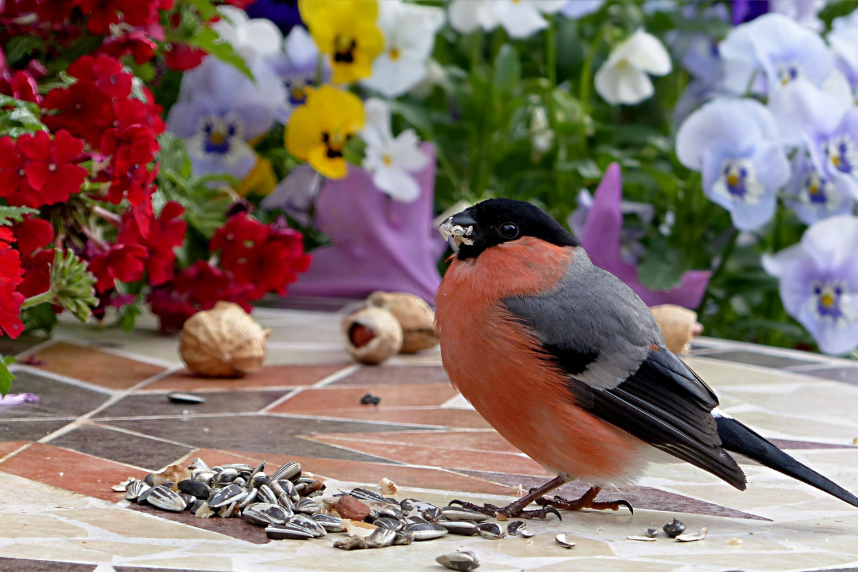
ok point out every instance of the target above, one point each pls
(594, 314)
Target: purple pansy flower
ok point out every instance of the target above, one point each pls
(733, 142)
(827, 126)
(844, 43)
(813, 195)
(219, 110)
(819, 282)
(802, 11)
(297, 67)
(773, 51)
(602, 239)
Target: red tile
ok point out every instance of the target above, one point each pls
(489, 441)
(267, 377)
(395, 375)
(70, 470)
(96, 367)
(368, 473)
(10, 447)
(441, 457)
(345, 398)
(463, 418)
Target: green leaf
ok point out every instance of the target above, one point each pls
(661, 266)
(6, 377)
(20, 47)
(128, 316)
(39, 317)
(507, 69)
(10, 215)
(210, 41)
(206, 9)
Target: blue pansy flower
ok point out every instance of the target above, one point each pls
(819, 282)
(771, 52)
(813, 195)
(219, 110)
(284, 13)
(733, 142)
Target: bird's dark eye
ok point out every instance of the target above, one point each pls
(509, 230)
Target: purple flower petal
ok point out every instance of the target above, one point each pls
(601, 239)
(377, 243)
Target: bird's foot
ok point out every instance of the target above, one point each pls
(512, 510)
(586, 501)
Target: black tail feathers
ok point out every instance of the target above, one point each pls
(737, 438)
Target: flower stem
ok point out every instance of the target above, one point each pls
(585, 81)
(551, 51)
(38, 299)
(110, 217)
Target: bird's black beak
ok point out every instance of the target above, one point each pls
(459, 227)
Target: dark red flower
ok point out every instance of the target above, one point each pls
(32, 234)
(137, 43)
(55, 11)
(84, 110)
(182, 57)
(266, 257)
(104, 13)
(197, 287)
(124, 262)
(135, 112)
(159, 235)
(48, 168)
(37, 273)
(20, 85)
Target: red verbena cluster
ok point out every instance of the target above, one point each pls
(25, 271)
(254, 259)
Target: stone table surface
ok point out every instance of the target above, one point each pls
(103, 416)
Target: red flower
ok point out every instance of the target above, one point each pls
(83, 108)
(106, 72)
(10, 311)
(10, 276)
(159, 235)
(182, 57)
(137, 43)
(266, 257)
(32, 234)
(197, 287)
(37, 273)
(12, 179)
(56, 11)
(104, 13)
(124, 262)
(19, 84)
(50, 174)
(135, 112)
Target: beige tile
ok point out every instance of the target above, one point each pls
(38, 526)
(132, 524)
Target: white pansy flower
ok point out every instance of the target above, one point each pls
(623, 78)
(251, 38)
(520, 18)
(391, 160)
(409, 38)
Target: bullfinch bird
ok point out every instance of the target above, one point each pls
(568, 364)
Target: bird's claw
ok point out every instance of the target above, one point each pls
(509, 511)
(584, 502)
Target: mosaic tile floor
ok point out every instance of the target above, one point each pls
(103, 416)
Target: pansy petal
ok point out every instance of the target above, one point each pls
(775, 264)
(397, 183)
(579, 8)
(406, 152)
(647, 53)
(465, 14)
(832, 241)
(520, 19)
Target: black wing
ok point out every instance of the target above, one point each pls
(597, 331)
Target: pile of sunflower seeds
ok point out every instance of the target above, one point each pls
(294, 507)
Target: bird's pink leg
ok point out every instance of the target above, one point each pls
(517, 509)
(588, 500)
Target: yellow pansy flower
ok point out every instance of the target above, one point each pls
(261, 179)
(319, 129)
(345, 31)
